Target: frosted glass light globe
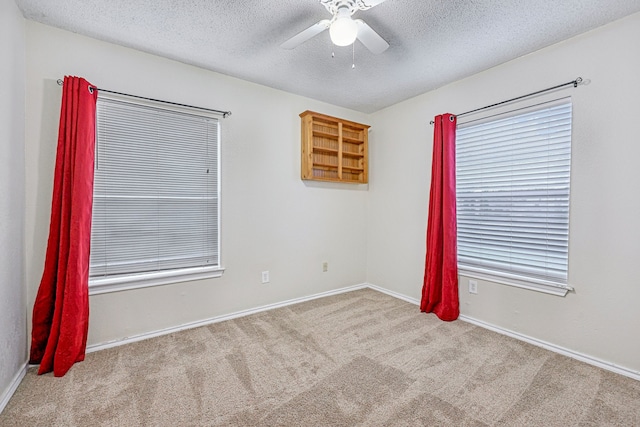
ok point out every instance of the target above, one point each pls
(343, 31)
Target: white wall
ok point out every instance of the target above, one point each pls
(271, 219)
(601, 318)
(13, 312)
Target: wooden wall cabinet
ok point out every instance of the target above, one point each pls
(333, 149)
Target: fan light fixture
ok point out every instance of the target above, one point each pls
(343, 30)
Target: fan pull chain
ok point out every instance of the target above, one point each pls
(353, 55)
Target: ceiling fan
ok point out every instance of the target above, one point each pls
(342, 28)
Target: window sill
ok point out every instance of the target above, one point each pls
(137, 281)
(517, 281)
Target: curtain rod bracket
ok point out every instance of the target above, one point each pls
(224, 114)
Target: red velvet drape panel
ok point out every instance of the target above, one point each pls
(440, 288)
(61, 309)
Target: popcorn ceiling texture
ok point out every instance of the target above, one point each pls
(361, 358)
(432, 42)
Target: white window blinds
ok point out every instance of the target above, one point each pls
(155, 204)
(512, 179)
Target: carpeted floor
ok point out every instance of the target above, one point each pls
(357, 359)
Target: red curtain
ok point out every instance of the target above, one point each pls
(61, 309)
(440, 288)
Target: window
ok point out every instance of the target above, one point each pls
(513, 176)
(156, 187)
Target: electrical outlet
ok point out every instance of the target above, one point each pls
(325, 267)
(265, 277)
(473, 286)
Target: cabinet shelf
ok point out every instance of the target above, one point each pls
(326, 165)
(352, 140)
(349, 154)
(333, 149)
(353, 168)
(325, 150)
(324, 134)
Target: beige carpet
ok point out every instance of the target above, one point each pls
(357, 359)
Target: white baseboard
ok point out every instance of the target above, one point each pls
(17, 379)
(552, 347)
(394, 294)
(556, 348)
(216, 319)
(539, 343)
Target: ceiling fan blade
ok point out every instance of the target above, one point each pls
(368, 4)
(370, 38)
(305, 35)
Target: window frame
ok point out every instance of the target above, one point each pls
(559, 288)
(122, 282)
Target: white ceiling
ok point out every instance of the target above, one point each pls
(432, 42)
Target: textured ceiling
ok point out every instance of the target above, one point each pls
(432, 42)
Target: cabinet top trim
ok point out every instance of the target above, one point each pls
(331, 118)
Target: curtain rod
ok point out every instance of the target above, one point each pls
(224, 114)
(575, 83)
